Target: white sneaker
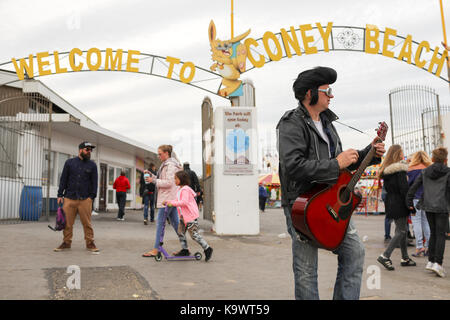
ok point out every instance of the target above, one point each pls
(429, 266)
(439, 270)
(94, 213)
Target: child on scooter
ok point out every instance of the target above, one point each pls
(188, 211)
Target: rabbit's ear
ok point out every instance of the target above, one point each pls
(212, 31)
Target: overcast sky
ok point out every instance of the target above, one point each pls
(158, 111)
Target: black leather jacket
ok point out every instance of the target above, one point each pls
(304, 155)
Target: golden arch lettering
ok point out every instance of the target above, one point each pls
(306, 39)
(94, 59)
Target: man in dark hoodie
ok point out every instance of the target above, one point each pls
(436, 202)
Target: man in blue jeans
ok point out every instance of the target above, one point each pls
(311, 152)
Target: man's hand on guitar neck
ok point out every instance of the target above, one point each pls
(347, 157)
(379, 147)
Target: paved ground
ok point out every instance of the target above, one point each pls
(242, 267)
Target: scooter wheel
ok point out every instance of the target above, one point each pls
(198, 256)
(158, 257)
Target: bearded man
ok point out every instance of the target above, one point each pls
(77, 191)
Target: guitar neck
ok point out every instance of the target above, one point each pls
(351, 185)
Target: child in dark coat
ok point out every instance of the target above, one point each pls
(436, 202)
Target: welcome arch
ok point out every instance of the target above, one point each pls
(305, 40)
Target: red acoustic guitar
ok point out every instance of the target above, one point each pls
(323, 213)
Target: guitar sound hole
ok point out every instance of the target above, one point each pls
(344, 195)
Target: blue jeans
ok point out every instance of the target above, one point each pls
(421, 227)
(305, 262)
(172, 214)
(387, 227)
(149, 201)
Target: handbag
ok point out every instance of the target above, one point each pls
(60, 223)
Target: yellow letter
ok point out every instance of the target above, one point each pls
(191, 75)
(58, 69)
(307, 40)
(372, 38)
(131, 60)
(419, 63)
(273, 56)
(116, 62)
(23, 64)
(439, 61)
(388, 42)
(42, 64)
(325, 35)
(173, 61)
(248, 42)
(293, 42)
(72, 59)
(406, 49)
(96, 66)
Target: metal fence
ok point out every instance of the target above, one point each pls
(25, 155)
(415, 118)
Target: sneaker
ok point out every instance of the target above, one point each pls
(145, 221)
(429, 266)
(208, 253)
(386, 262)
(91, 247)
(94, 213)
(182, 253)
(63, 246)
(438, 269)
(407, 263)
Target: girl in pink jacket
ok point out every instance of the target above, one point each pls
(188, 211)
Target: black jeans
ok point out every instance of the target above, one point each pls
(262, 203)
(438, 227)
(121, 200)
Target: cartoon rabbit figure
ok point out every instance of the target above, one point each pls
(230, 57)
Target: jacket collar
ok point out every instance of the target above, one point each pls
(327, 115)
(396, 167)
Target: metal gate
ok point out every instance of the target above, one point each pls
(25, 155)
(415, 118)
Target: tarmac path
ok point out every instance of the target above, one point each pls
(242, 267)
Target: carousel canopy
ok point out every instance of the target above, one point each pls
(269, 179)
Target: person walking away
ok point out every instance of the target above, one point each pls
(147, 192)
(436, 203)
(77, 190)
(262, 197)
(393, 172)
(188, 211)
(194, 183)
(419, 161)
(121, 185)
(166, 190)
(311, 152)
